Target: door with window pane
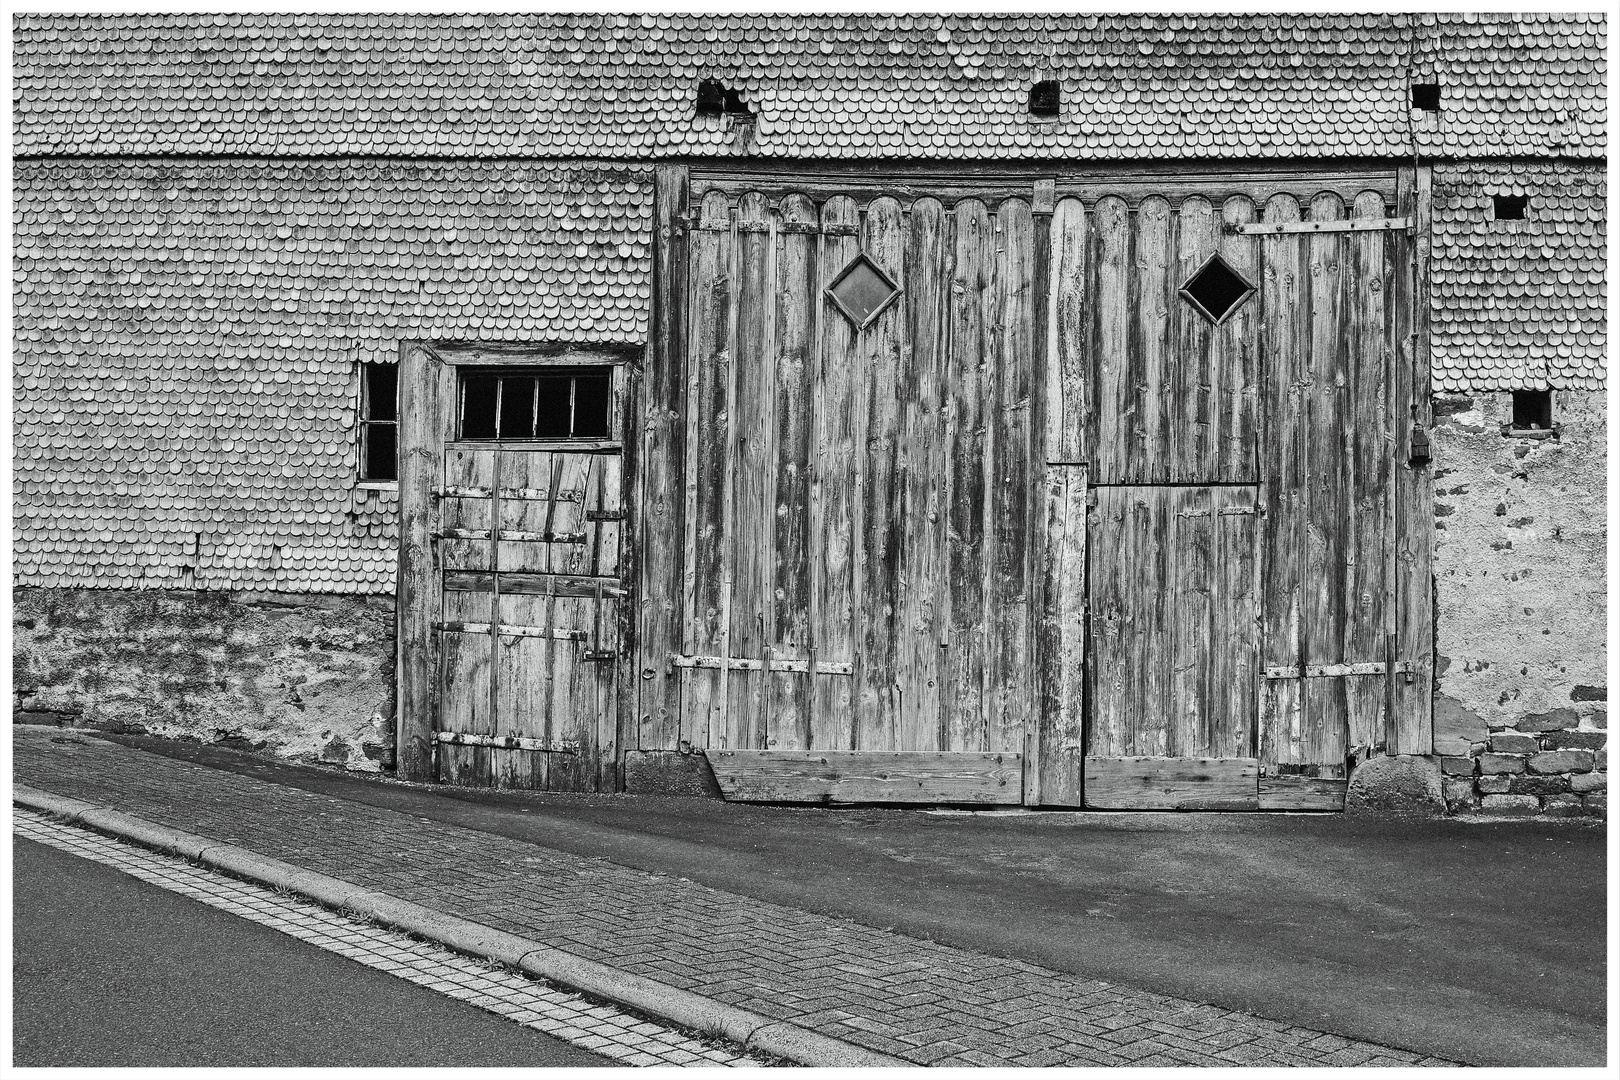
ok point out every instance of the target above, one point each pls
(530, 513)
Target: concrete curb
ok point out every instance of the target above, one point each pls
(670, 1003)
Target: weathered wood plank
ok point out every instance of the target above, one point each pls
(920, 485)
(577, 698)
(418, 590)
(1113, 415)
(465, 676)
(1148, 451)
(752, 472)
(1190, 607)
(968, 473)
(703, 702)
(1301, 793)
(523, 667)
(1111, 624)
(1235, 391)
(839, 777)
(1234, 659)
(879, 531)
(1328, 500)
(525, 470)
(797, 297)
(1068, 389)
(1188, 399)
(1159, 783)
(1285, 293)
(1410, 729)
(1009, 624)
(1055, 778)
(531, 584)
(462, 469)
(833, 487)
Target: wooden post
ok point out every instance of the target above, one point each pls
(417, 584)
(1410, 726)
(657, 525)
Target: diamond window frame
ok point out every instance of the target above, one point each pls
(1249, 289)
(831, 294)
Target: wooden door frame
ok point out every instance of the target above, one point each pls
(427, 393)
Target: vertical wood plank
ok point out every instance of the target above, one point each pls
(707, 436)
(468, 660)
(968, 464)
(522, 672)
(1151, 712)
(796, 289)
(1285, 301)
(1009, 627)
(1367, 445)
(659, 475)
(750, 548)
(921, 481)
(1106, 624)
(1190, 571)
(833, 488)
(1193, 359)
(466, 468)
(1327, 498)
(1148, 449)
(1234, 673)
(877, 556)
(1068, 388)
(1061, 659)
(1235, 390)
(418, 588)
(1113, 416)
(1411, 727)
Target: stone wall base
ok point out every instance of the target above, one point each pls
(304, 677)
(668, 772)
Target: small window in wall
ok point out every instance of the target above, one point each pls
(862, 290)
(379, 422)
(1532, 410)
(1509, 207)
(548, 404)
(715, 98)
(1046, 99)
(1216, 290)
(1426, 96)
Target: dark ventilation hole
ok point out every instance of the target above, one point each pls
(1510, 207)
(714, 98)
(1046, 99)
(1216, 290)
(1532, 410)
(1426, 96)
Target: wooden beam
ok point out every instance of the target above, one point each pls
(1302, 793)
(1152, 783)
(1396, 224)
(856, 776)
(417, 589)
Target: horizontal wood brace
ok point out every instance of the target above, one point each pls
(857, 776)
(516, 583)
(1262, 228)
(514, 631)
(573, 495)
(530, 353)
(798, 227)
(505, 742)
(514, 535)
(540, 446)
(753, 226)
(735, 663)
(1331, 671)
(840, 230)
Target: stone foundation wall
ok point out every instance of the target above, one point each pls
(305, 677)
(1521, 695)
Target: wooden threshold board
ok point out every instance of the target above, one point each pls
(834, 777)
(1164, 783)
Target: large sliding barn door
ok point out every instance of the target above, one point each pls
(856, 623)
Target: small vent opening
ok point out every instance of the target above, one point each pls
(1216, 290)
(1426, 96)
(715, 98)
(1510, 207)
(1532, 410)
(862, 291)
(1046, 99)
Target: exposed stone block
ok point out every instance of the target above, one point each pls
(1459, 793)
(1538, 785)
(1577, 740)
(1561, 761)
(1395, 783)
(1457, 766)
(1596, 805)
(1456, 727)
(1512, 743)
(1494, 785)
(668, 772)
(1589, 693)
(1510, 804)
(1500, 763)
(1556, 720)
(1588, 782)
(1600, 758)
(1561, 806)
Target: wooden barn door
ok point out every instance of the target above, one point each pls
(510, 582)
(860, 498)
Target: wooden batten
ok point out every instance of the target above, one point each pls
(1154, 783)
(1288, 792)
(840, 777)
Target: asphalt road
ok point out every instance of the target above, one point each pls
(108, 970)
(1405, 932)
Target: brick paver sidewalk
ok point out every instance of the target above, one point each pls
(915, 999)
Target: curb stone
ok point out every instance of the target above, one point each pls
(672, 1004)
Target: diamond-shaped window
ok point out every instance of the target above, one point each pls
(862, 291)
(1216, 290)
